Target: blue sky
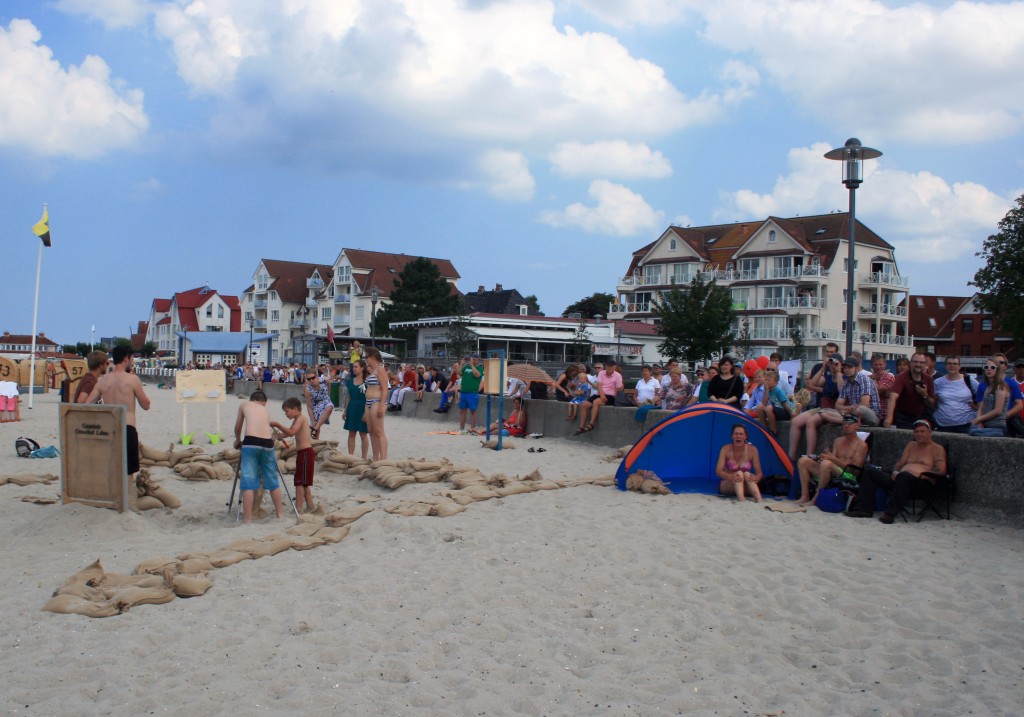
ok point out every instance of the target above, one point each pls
(536, 143)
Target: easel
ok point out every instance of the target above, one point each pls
(234, 486)
(494, 383)
(199, 387)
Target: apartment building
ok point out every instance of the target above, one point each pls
(785, 275)
(957, 326)
(195, 310)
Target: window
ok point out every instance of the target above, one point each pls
(920, 302)
(931, 322)
(672, 245)
(986, 324)
(344, 274)
(740, 299)
(220, 311)
(771, 237)
(325, 313)
(262, 281)
(209, 311)
(965, 349)
(749, 268)
(846, 264)
(846, 294)
(967, 325)
(273, 296)
(360, 312)
(522, 309)
(275, 315)
(942, 302)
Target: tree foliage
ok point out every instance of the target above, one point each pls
(580, 349)
(460, 339)
(533, 305)
(420, 291)
(591, 306)
(797, 350)
(1001, 277)
(696, 321)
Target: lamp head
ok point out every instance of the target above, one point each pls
(851, 155)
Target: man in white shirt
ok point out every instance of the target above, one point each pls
(516, 388)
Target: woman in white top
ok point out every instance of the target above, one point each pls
(954, 393)
(648, 388)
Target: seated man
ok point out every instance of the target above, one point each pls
(859, 395)
(921, 457)
(847, 454)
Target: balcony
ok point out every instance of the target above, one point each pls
(770, 333)
(260, 304)
(342, 298)
(814, 272)
(886, 278)
(298, 324)
(883, 310)
(628, 308)
(792, 302)
(314, 283)
(653, 280)
(259, 324)
(312, 303)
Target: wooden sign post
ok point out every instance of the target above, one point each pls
(94, 456)
(199, 387)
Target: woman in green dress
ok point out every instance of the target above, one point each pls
(354, 408)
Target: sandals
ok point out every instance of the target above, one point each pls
(589, 427)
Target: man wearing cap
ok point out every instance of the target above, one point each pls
(848, 452)
(469, 398)
(921, 458)
(609, 383)
(912, 395)
(858, 396)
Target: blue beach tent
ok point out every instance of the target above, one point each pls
(683, 449)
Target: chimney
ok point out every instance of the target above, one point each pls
(480, 290)
(497, 287)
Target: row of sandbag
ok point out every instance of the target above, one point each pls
(200, 466)
(23, 480)
(93, 592)
(152, 494)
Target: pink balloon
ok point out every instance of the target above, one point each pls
(762, 362)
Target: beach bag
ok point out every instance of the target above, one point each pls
(832, 500)
(48, 452)
(24, 446)
(775, 485)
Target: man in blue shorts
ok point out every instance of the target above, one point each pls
(469, 398)
(258, 461)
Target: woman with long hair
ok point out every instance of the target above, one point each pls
(993, 399)
(318, 402)
(355, 408)
(376, 383)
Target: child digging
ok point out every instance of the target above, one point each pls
(305, 458)
(258, 461)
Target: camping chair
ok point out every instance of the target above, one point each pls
(944, 488)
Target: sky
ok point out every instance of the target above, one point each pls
(535, 143)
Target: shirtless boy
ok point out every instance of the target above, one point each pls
(258, 458)
(847, 450)
(305, 458)
(121, 387)
(920, 457)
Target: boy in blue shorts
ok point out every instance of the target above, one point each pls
(258, 461)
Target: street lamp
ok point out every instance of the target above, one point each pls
(374, 296)
(184, 345)
(252, 321)
(851, 154)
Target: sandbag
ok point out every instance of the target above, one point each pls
(90, 574)
(223, 470)
(82, 590)
(224, 558)
(176, 457)
(148, 502)
(266, 548)
(24, 480)
(467, 478)
(513, 489)
(305, 542)
(333, 535)
(195, 566)
(164, 496)
(344, 516)
(38, 499)
(115, 580)
(305, 529)
(75, 605)
(129, 596)
(191, 585)
(155, 566)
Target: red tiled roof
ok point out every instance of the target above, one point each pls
(289, 278)
(189, 320)
(161, 305)
(918, 324)
(165, 320)
(384, 268)
(26, 339)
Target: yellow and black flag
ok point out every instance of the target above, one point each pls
(42, 228)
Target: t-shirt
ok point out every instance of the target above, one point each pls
(85, 385)
(516, 387)
(855, 388)
(955, 407)
(471, 383)
(910, 402)
(1011, 383)
(778, 398)
(609, 385)
(725, 387)
(645, 390)
(987, 402)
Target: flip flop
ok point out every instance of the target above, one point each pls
(541, 450)
(530, 450)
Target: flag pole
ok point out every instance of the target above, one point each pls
(35, 317)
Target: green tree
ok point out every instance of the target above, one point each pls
(797, 350)
(1001, 277)
(148, 349)
(581, 348)
(460, 339)
(82, 348)
(695, 321)
(420, 291)
(533, 306)
(122, 342)
(591, 306)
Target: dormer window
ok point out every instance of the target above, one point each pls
(771, 237)
(920, 302)
(942, 303)
(522, 309)
(671, 244)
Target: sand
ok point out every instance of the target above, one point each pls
(580, 601)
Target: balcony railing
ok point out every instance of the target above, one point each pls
(298, 324)
(259, 324)
(312, 303)
(260, 304)
(813, 271)
(792, 302)
(787, 272)
(342, 298)
(771, 333)
(314, 283)
(629, 308)
(884, 310)
(886, 278)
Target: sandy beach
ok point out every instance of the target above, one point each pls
(578, 601)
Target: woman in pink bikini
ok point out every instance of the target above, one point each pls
(739, 466)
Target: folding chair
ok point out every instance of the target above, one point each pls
(944, 488)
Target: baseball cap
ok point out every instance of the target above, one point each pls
(1018, 362)
(850, 418)
(850, 361)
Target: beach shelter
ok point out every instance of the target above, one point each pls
(683, 449)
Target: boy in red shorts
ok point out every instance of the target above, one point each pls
(305, 458)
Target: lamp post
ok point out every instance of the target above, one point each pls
(374, 296)
(851, 154)
(184, 345)
(252, 321)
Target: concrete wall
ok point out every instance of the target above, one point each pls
(989, 471)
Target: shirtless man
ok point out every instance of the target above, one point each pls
(258, 459)
(847, 450)
(920, 457)
(121, 387)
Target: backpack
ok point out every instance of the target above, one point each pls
(24, 446)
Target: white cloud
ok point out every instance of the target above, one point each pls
(927, 219)
(916, 72)
(618, 211)
(508, 175)
(630, 13)
(618, 158)
(112, 13)
(79, 112)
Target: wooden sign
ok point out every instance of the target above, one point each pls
(199, 386)
(494, 369)
(8, 370)
(94, 457)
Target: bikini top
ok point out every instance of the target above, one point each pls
(730, 464)
(372, 380)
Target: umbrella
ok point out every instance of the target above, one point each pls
(528, 373)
